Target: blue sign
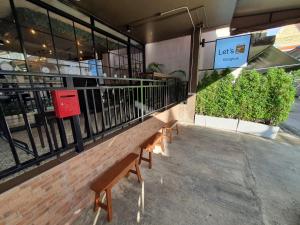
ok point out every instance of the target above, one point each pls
(232, 52)
(92, 67)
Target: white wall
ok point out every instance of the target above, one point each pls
(206, 53)
(174, 54)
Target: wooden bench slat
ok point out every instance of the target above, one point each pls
(170, 124)
(152, 141)
(114, 173)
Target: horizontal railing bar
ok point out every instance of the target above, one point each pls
(21, 73)
(23, 89)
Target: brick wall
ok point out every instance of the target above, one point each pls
(55, 196)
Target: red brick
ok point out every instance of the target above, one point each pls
(54, 196)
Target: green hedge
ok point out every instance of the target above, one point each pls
(265, 98)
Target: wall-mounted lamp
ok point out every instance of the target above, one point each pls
(202, 43)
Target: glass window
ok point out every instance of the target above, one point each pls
(66, 46)
(118, 59)
(136, 61)
(55, 44)
(85, 50)
(102, 54)
(11, 55)
(37, 37)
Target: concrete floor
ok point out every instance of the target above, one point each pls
(212, 177)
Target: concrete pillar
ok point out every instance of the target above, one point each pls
(188, 109)
(195, 44)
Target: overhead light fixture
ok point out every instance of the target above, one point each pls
(7, 41)
(80, 51)
(32, 31)
(44, 45)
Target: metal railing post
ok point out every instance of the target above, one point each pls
(75, 124)
(142, 100)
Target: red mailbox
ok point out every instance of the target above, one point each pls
(65, 103)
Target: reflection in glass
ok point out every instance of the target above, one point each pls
(11, 56)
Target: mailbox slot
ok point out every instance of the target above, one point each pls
(67, 96)
(65, 103)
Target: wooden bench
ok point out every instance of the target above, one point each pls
(149, 145)
(168, 129)
(109, 178)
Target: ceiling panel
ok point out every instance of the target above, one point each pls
(145, 20)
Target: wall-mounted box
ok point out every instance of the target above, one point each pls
(65, 103)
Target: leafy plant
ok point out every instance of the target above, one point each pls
(251, 96)
(215, 95)
(281, 95)
(155, 67)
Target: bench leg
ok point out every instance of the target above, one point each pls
(141, 156)
(170, 135)
(138, 172)
(150, 159)
(162, 144)
(109, 204)
(145, 159)
(97, 199)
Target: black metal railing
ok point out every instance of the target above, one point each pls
(30, 133)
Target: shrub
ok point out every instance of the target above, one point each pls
(250, 96)
(281, 95)
(215, 95)
(253, 96)
(206, 94)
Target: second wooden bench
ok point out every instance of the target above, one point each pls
(149, 145)
(168, 129)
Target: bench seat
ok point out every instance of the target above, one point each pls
(110, 177)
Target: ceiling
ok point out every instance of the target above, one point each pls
(148, 26)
